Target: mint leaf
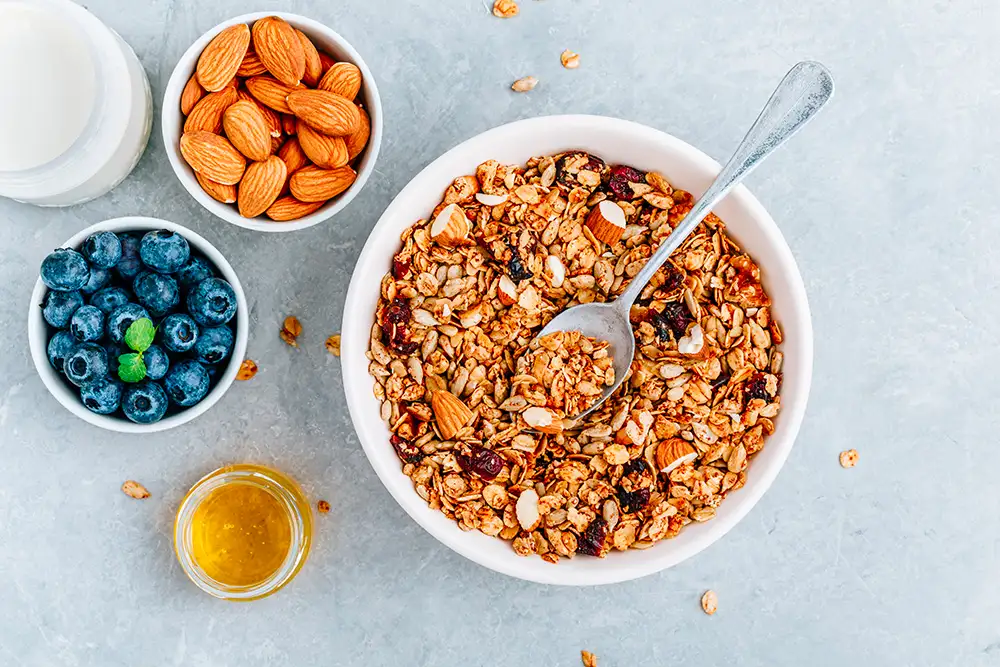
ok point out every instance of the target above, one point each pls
(131, 367)
(140, 335)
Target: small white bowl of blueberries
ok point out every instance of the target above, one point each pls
(137, 324)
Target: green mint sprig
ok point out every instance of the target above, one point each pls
(139, 336)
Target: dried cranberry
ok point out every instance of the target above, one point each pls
(757, 388)
(633, 501)
(621, 176)
(672, 278)
(634, 466)
(591, 543)
(397, 312)
(674, 318)
(400, 268)
(481, 461)
(406, 450)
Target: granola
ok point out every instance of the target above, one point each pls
(506, 250)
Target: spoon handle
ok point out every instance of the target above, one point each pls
(801, 94)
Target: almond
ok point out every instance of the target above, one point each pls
(207, 113)
(191, 94)
(270, 92)
(327, 61)
(451, 413)
(490, 200)
(357, 140)
(217, 191)
(693, 342)
(312, 184)
(247, 130)
(673, 453)
(213, 157)
(343, 79)
(556, 270)
(261, 186)
(289, 208)
(526, 510)
(272, 117)
(289, 124)
(325, 111)
(542, 420)
(218, 63)
(293, 157)
(451, 227)
(326, 151)
(507, 291)
(606, 221)
(314, 65)
(251, 66)
(279, 48)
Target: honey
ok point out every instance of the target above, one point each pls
(243, 532)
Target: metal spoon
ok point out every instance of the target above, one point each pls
(801, 94)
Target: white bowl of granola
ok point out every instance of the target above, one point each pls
(670, 463)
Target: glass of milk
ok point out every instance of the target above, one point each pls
(77, 109)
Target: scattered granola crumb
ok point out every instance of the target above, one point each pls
(248, 369)
(588, 658)
(333, 345)
(505, 9)
(849, 459)
(291, 329)
(570, 59)
(524, 84)
(323, 507)
(710, 602)
(134, 489)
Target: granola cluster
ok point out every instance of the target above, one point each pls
(461, 382)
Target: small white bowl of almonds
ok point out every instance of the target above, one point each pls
(272, 122)
(460, 408)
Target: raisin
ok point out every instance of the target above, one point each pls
(515, 267)
(634, 466)
(633, 501)
(672, 277)
(674, 319)
(400, 268)
(481, 461)
(406, 450)
(621, 176)
(757, 388)
(591, 543)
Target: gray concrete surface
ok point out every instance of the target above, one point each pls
(889, 202)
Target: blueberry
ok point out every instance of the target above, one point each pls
(214, 344)
(164, 251)
(157, 362)
(121, 319)
(102, 249)
(60, 306)
(114, 351)
(178, 332)
(65, 270)
(130, 264)
(109, 298)
(193, 272)
(86, 364)
(102, 396)
(186, 383)
(99, 279)
(144, 403)
(60, 347)
(158, 293)
(212, 302)
(87, 324)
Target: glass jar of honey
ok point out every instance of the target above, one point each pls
(243, 531)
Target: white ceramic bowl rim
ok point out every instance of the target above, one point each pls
(515, 142)
(38, 341)
(171, 122)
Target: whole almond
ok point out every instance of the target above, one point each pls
(261, 186)
(325, 111)
(293, 157)
(251, 66)
(272, 117)
(218, 63)
(247, 129)
(326, 151)
(207, 113)
(225, 194)
(192, 93)
(312, 184)
(213, 157)
(279, 48)
(289, 124)
(290, 208)
(270, 92)
(327, 61)
(344, 79)
(357, 140)
(450, 412)
(314, 66)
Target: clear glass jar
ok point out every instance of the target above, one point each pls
(82, 115)
(236, 507)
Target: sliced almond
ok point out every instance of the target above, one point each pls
(490, 200)
(542, 420)
(219, 61)
(451, 227)
(526, 510)
(451, 413)
(507, 291)
(471, 316)
(606, 222)
(556, 271)
(693, 342)
(672, 453)
(529, 299)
